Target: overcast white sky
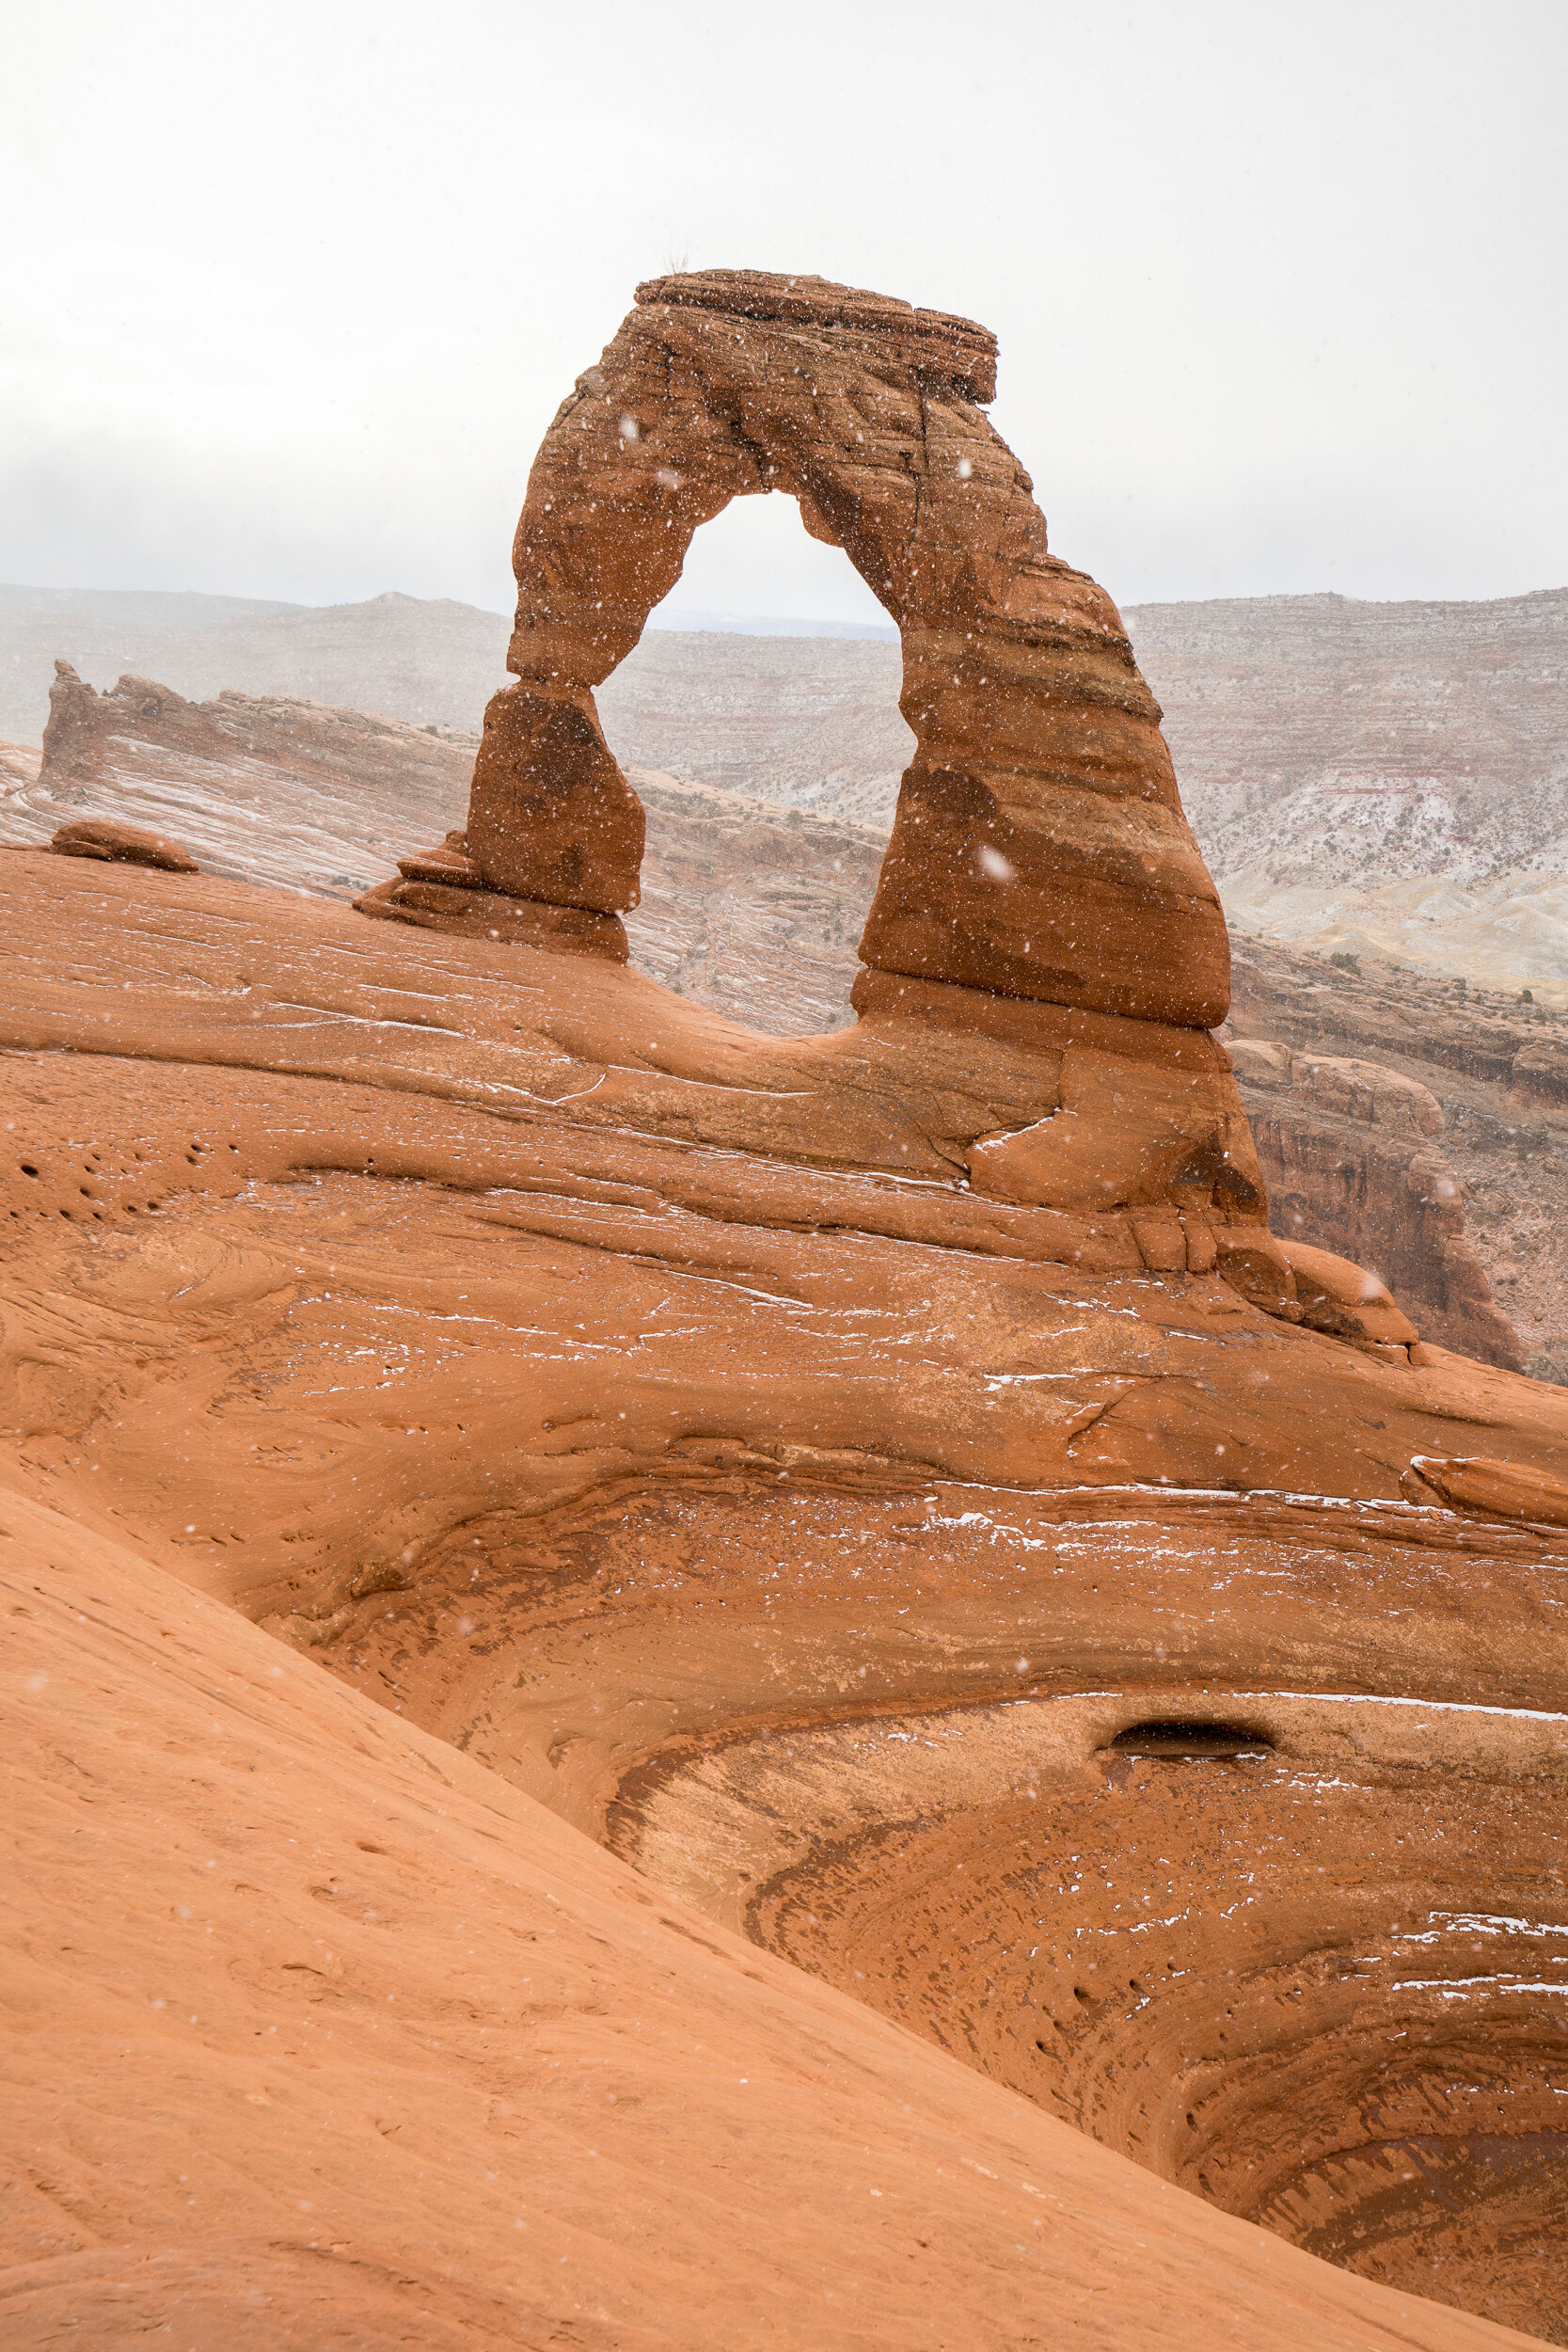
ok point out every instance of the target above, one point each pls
(287, 295)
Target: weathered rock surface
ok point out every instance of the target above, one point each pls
(1479, 1481)
(1424, 739)
(889, 1488)
(284, 792)
(664, 1415)
(755, 909)
(126, 845)
(1038, 847)
(325, 2034)
(750, 907)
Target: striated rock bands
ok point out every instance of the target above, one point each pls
(891, 1489)
(1389, 1198)
(292, 793)
(1324, 741)
(754, 911)
(1422, 1130)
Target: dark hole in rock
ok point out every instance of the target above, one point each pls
(1174, 1738)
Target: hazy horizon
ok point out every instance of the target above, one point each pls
(286, 317)
(666, 617)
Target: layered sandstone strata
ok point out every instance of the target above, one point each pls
(891, 1488)
(1420, 1127)
(754, 910)
(296, 794)
(1039, 846)
(1350, 1150)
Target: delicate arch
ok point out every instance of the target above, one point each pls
(1040, 848)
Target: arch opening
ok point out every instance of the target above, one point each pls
(767, 747)
(756, 567)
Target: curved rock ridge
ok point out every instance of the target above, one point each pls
(1039, 849)
(321, 2035)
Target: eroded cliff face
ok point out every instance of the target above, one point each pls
(1350, 1151)
(1363, 743)
(1419, 1127)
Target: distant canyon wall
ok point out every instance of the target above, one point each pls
(1349, 1152)
(1331, 740)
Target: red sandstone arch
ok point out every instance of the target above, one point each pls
(1040, 848)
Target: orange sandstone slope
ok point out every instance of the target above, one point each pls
(321, 2035)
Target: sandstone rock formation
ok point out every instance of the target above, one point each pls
(754, 910)
(1424, 742)
(327, 2035)
(284, 792)
(106, 838)
(1479, 1481)
(751, 907)
(783, 1462)
(1039, 846)
(1420, 1128)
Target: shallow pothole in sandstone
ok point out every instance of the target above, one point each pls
(1178, 1738)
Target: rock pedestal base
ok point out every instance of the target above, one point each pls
(442, 890)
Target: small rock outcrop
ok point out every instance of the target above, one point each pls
(126, 845)
(1488, 1486)
(443, 890)
(1039, 849)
